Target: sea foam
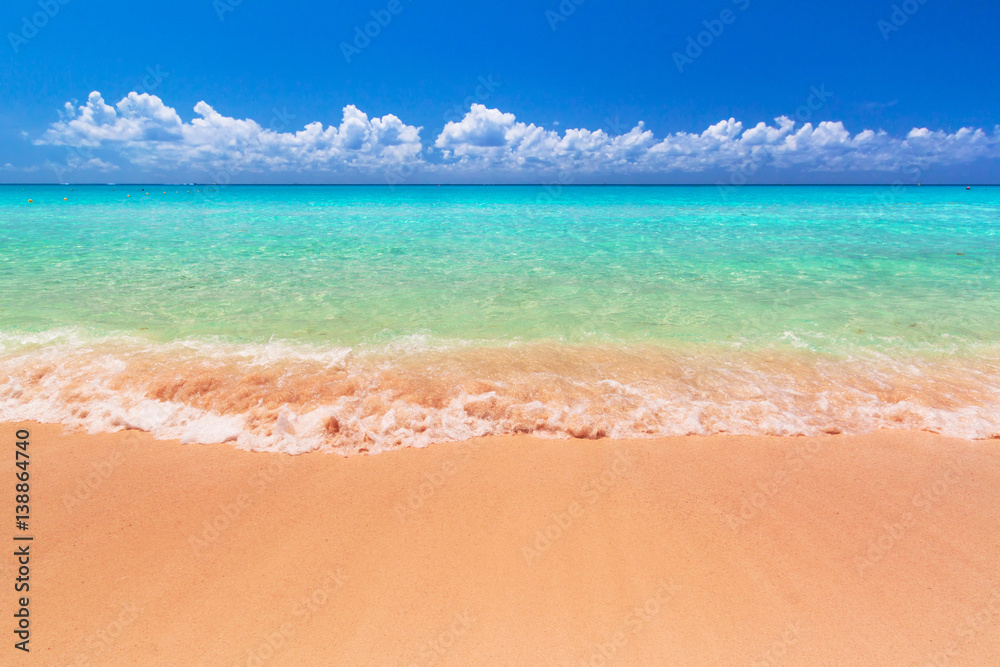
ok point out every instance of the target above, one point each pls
(291, 397)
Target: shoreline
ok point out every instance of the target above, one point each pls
(877, 549)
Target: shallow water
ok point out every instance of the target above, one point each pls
(349, 318)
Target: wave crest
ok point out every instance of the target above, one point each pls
(293, 398)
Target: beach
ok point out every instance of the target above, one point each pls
(872, 549)
(360, 320)
(489, 425)
(500, 334)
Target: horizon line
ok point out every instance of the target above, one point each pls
(560, 185)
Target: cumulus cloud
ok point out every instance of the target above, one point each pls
(150, 134)
(143, 130)
(489, 137)
(498, 140)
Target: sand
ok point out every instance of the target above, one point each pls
(881, 549)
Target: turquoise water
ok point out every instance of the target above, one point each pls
(493, 283)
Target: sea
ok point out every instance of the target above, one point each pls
(360, 319)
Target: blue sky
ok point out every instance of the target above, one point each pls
(625, 72)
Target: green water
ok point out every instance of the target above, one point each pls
(350, 265)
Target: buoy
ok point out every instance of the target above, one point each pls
(64, 199)
(128, 195)
(968, 188)
(30, 201)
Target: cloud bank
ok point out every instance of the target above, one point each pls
(147, 133)
(142, 131)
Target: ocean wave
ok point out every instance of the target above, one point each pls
(292, 397)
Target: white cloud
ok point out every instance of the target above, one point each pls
(489, 137)
(150, 134)
(828, 146)
(30, 169)
(143, 130)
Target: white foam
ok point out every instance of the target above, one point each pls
(64, 376)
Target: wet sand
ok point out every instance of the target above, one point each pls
(880, 549)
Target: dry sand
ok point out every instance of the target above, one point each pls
(876, 550)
